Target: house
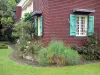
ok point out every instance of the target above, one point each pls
(27, 7)
(68, 20)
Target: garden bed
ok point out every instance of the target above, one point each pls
(15, 56)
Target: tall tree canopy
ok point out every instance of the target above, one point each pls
(7, 7)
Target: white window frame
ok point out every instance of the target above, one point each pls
(86, 23)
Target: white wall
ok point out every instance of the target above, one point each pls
(26, 8)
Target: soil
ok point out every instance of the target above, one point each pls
(18, 59)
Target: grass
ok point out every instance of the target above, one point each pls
(8, 67)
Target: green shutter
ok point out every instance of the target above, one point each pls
(36, 26)
(72, 25)
(91, 25)
(41, 26)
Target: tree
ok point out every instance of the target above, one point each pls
(17, 1)
(6, 12)
(7, 7)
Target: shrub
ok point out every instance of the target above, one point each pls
(24, 31)
(41, 57)
(9, 20)
(24, 28)
(4, 21)
(21, 43)
(3, 46)
(91, 50)
(28, 17)
(57, 53)
(35, 46)
(72, 56)
(29, 47)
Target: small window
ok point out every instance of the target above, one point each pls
(38, 25)
(81, 25)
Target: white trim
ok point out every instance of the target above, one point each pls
(84, 10)
(27, 6)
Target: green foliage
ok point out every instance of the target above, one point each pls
(91, 50)
(3, 5)
(7, 7)
(24, 28)
(3, 46)
(35, 46)
(25, 32)
(72, 56)
(28, 17)
(41, 57)
(57, 53)
(12, 3)
(7, 28)
(9, 20)
(4, 20)
(29, 47)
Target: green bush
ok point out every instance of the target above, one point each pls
(4, 21)
(24, 28)
(30, 47)
(3, 46)
(24, 31)
(57, 53)
(9, 20)
(72, 56)
(34, 46)
(90, 50)
(28, 17)
(41, 57)
(55, 48)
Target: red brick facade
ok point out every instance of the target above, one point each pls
(56, 15)
(18, 13)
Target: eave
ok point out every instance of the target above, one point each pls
(83, 10)
(38, 13)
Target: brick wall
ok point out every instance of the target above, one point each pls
(59, 16)
(18, 13)
(56, 15)
(42, 5)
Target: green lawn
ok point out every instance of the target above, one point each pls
(8, 67)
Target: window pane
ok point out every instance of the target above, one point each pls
(81, 25)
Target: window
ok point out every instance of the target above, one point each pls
(81, 25)
(38, 25)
